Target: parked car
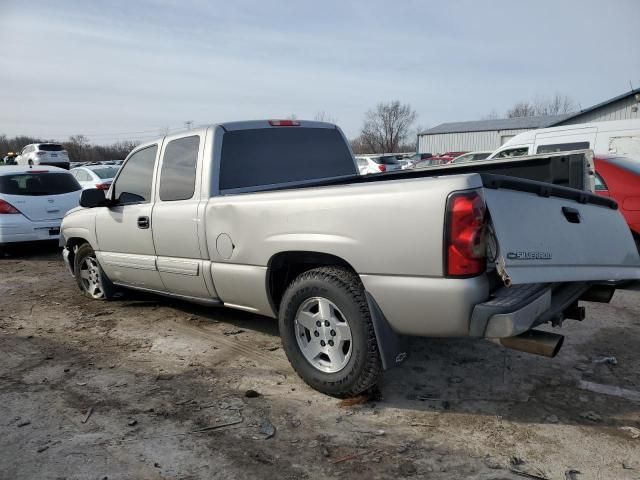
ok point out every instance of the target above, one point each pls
(95, 176)
(300, 241)
(619, 178)
(615, 137)
(444, 158)
(52, 154)
(471, 157)
(377, 164)
(33, 202)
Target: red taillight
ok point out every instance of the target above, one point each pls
(284, 123)
(103, 186)
(7, 208)
(465, 234)
(382, 168)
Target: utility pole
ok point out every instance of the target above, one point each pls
(188, 124)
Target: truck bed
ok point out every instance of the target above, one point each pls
(564, 169)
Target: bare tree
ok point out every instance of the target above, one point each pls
(492, 115)
(323, 116)
(555, 105)
(522, 109)
(387, 126)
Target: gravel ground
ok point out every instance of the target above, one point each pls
(150, 388)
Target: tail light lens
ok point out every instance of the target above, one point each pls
(103, 186)
(465, 248)
(382, 168)
(7, 208)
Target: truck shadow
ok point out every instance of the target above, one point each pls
(471, 376)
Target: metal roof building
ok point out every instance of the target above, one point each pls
(490, 134)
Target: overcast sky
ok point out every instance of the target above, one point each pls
(113, 69)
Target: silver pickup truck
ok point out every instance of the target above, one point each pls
(272, 217)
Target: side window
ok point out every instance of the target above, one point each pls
(178, 175)
(133, 185)
(513, 152)
(600, 185)
(562, 147)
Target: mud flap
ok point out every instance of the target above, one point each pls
(393, 348)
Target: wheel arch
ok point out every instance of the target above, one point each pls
(284, 267)
(72, 244)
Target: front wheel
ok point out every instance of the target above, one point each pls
(92, 281)
(327, 332)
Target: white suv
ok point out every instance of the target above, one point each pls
(52, 154)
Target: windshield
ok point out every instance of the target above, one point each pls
(35, 184)
(107, 172)
(50, 147)
(628, 164)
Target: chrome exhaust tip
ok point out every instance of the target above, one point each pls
(537, 342)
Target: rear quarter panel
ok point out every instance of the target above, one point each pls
(382, 229)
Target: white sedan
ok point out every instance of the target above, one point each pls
(33, 201)
(377, 164)
(95, 176)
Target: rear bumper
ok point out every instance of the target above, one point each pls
(515, 310)
(445, 307)
(23, 230)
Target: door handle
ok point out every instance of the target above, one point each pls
(143, 222)
(571, 214)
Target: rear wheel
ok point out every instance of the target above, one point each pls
(327, 332)
(92, 281)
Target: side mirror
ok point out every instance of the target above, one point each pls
(92, 197)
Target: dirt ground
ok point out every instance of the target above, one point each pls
(150, 388)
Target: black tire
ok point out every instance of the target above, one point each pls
(343, 288)
(107, 289)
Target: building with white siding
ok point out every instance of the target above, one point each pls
(490, 134)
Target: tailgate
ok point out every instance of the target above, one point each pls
(546, 233)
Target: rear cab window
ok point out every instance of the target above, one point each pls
(38, 184)
(263, 157)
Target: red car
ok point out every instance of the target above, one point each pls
(619, 178)
(445, 158)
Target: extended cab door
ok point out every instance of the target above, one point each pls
(176, 221)
(126, 250)
(545, 233)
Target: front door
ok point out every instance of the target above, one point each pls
(126, 250)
